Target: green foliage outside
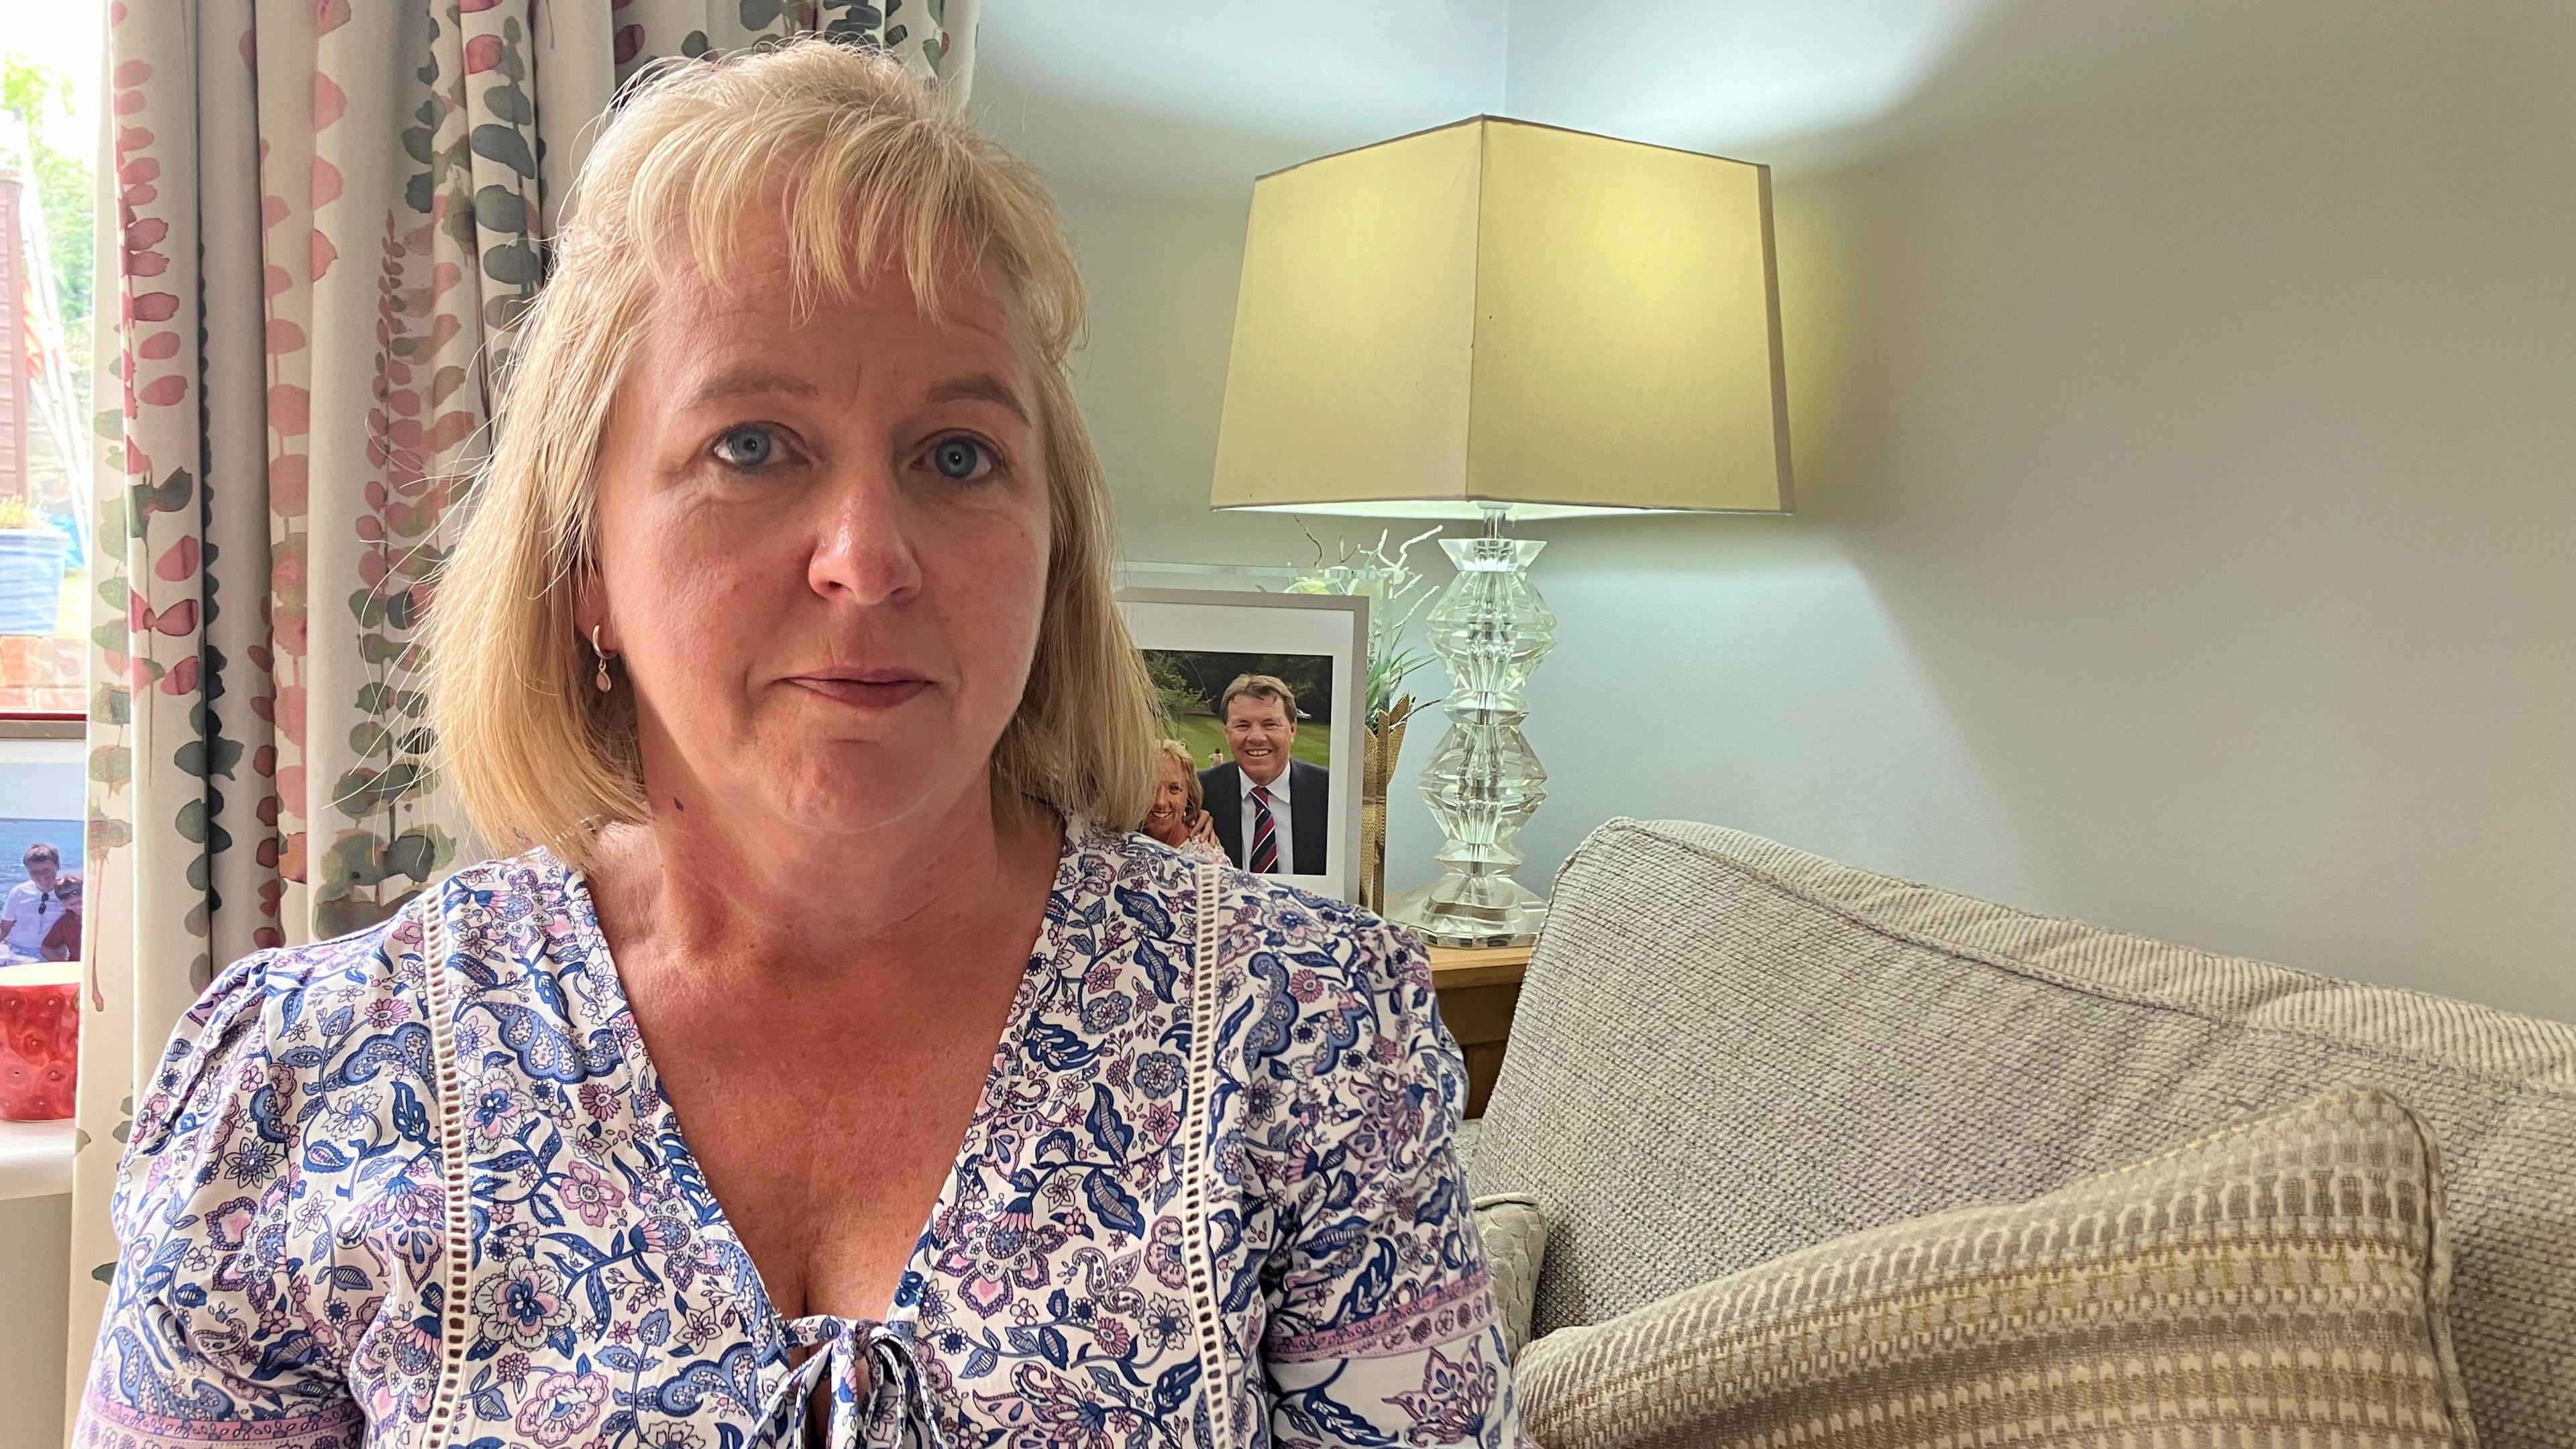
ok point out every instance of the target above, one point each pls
(38, 99)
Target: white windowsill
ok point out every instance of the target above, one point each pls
(35, 1158)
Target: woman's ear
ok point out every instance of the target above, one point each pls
(590, 610)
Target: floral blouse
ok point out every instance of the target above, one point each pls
(420, 1186)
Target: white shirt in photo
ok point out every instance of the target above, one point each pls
(30, 912)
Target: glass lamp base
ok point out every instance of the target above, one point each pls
(1471, 910)
(1483, 780)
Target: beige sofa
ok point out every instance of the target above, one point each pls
(1728, 1051)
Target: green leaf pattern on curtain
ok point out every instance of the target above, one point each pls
(331, 217)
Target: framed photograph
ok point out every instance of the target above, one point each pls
(43, 777)
(1265, 691)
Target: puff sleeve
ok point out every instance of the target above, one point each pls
(1383, 1329)
(214, 1329)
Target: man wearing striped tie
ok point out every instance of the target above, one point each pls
(1283, 824)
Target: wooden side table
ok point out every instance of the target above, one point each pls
(1479, 986)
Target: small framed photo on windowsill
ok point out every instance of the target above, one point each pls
(1264, 692)
(42, 833)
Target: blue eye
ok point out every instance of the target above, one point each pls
(748, 446)
(961, 459)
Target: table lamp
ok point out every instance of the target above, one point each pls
(1489, 321)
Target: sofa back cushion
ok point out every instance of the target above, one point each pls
(1727, 1050)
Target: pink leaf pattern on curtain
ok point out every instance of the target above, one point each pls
(329, 217)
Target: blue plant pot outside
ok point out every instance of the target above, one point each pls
(31, 579)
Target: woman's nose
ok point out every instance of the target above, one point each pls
(867, 547)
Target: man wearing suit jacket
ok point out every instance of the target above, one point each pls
(1272, 813)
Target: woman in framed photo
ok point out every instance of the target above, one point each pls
(63, 939)
(1179, 817)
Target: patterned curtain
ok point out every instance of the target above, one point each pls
(330, 217)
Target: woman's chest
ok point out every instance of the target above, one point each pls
(1077, 1269)
(824, 1134)
(1080, 1249)
(815, 1078)
(828, 1176)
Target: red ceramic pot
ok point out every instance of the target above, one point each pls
(39, 1041)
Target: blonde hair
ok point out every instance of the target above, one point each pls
(1180, 754)
(865, 164)
(1259, 686)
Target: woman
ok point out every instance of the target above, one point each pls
(63, 939)
(821, 1064)
(1179, 815)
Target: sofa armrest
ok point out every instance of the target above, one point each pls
(1515, 1234)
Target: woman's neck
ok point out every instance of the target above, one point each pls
(702, 889)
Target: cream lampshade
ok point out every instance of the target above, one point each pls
(1499, 320)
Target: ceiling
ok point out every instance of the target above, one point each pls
(1199, 96)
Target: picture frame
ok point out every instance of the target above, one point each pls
(43, 780)
(1197, 640)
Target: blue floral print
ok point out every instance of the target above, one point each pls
(1216, 1210)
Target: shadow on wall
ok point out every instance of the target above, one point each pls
(2188, 399)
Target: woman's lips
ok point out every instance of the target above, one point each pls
(865, 694)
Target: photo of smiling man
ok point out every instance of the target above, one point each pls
(1284, 817)
(1262, 692)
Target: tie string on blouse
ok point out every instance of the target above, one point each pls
(891, 1411)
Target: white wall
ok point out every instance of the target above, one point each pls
(2185, 420)
(35, 1318)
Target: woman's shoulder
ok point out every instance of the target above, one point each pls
(315, 1008)
(381, 956)
(1263, 916)
(276, 1036)
(272, 991)
(1324, 1003)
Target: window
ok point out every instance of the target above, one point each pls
(49, 137)
(49, 81)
